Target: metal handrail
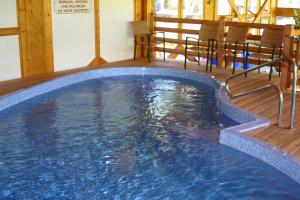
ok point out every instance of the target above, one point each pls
(279, 92)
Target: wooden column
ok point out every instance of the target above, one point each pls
(148, 12)
(48, 37)
(36, 45)
(273, 6)
(286, 71)
(21, 11)
(151, 26)
(138, 10)
(147, 9)
(209, 9)
(220, 41)
(142, 10)
(139, 16)
(98, 60)
(97, 27)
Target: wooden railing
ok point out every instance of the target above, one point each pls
(287, 50)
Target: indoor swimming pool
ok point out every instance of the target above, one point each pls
(128, 137)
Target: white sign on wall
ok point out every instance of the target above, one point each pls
(72, 6)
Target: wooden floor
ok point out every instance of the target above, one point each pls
(264, 103)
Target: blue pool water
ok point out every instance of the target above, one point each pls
(128, 138)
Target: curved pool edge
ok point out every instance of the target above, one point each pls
(269, 154)
(233, 136)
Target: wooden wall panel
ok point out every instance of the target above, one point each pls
(138, 10)
(140, 13)
(35, 22)
(35, 37)
(48, 36)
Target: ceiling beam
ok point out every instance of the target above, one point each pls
(260, 11)
(235, 9)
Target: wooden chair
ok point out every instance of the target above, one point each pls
(235, 40)
(140, 30)
(206, 41)
(270, 39)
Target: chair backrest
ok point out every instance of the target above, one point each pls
(272, 38)
(237, 34)
(209, 31)
(140, 27)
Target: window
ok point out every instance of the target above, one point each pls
(193, 9)
(252, 9)
(265, 20)
(285, 20)
(240, 4)
(267, 8)
(224, 7)
(167, 7)
(289, 3)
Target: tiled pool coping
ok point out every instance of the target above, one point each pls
(234, 137)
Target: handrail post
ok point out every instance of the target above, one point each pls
(288, 60)
(285, 78)
(298, 53)
(294, 93)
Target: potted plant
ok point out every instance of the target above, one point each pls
(297, 21)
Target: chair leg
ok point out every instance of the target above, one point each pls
(225, 60)
(234, 60)
(259, 60)
(198, 52)
(279, 72)
(185, 53)
(271, 71)
(234, 57)
(211, 61)
(148, 44)
(225, 55)
(245, 58)
(207, 55)
(198, 57)
(271, 66)
(164, 48)
(246, 64)
(217, 56)
(211, 56)
(280, 54)
(135, 44)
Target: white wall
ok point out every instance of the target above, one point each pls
(73, 39)
(8, 13)
(116, 41)
(73, 36)
(9, 45)
(9, 58)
